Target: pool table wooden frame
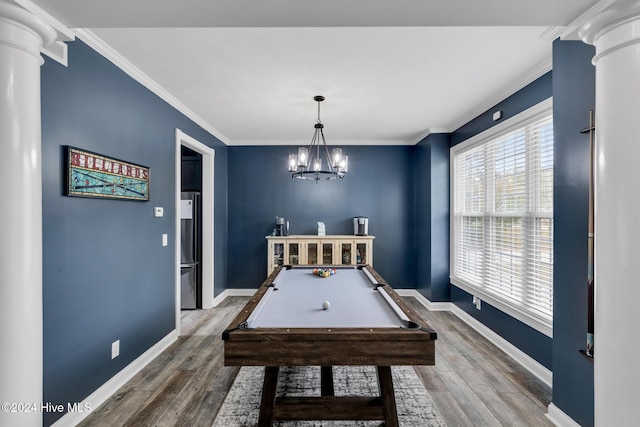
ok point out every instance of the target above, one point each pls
(327, 347)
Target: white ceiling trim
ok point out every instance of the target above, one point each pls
(341, 142)
(109, 53)
(456, 110)
(64, 33)
(552, 33)
(571, 31)
(330, 142)
(509, 90)
(134, 72)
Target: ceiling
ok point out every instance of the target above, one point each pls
(391, 71)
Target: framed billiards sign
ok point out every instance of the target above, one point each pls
(94, 175)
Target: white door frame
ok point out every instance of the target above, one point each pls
(207, 262)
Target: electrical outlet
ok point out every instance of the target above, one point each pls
(478, 303)
(115, 349)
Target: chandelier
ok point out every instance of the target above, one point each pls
(308, 162)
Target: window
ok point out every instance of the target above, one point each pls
(502, 216)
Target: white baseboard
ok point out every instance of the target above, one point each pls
(432, 306)
(559, 418)
(554, 414)
(544, 374)
(101, 395)
(232, 293)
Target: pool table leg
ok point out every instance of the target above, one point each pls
(268, 395)
(326, 381)
(385, 382)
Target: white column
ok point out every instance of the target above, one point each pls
(616, 35)
(21, 36)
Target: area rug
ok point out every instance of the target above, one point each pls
(241, 406)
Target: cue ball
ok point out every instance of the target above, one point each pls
(326, 305)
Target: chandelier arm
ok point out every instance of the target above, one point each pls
(314, 141)
(318, 131)
(326, 149)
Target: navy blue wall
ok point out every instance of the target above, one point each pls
(535, 92)
(431, 172)
(573, 97)
(379, 185)
(536, 345)
(106, 275)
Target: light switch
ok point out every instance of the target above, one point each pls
(165, 239)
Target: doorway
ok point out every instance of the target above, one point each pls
(207, 260)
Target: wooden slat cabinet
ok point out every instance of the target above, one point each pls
(318, 250)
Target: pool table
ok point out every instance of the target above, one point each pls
(366, 323)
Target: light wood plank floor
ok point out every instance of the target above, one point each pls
(472, 384)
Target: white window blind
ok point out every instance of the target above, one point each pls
(502, 216)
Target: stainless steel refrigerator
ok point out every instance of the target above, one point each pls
(190, 277)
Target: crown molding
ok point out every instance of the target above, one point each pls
(119, 61)
(63, 33)
(615, 14)
(552, 33)
(306, 142)
(506, 92)
(436, 130)
(428, 132)
(571, 31)
(108, 52)
(422, 136)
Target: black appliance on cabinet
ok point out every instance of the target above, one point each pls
(282, 227)
(360, 225)
(190, 250)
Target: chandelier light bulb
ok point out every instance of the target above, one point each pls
(293, 162)
(337, 157)
(303, 154)
(344, 164)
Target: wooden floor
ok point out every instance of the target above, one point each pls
(472, 384)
